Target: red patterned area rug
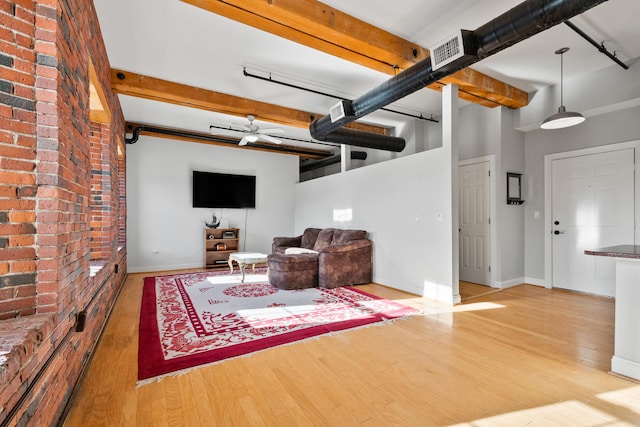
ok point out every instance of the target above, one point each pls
(194, 319)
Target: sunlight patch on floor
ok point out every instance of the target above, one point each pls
(236, 278)
(477, 306)
(626, 398)
(569, 413)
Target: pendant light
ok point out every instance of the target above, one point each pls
(562, 119)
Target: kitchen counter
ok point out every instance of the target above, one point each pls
(626, 353)
(619, 251)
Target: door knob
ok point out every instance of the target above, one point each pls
(556, 222)
(558, 232)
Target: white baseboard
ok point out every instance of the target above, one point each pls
(434, 291)
(537, 282)
(519, 281)
(153, 268)
(399, 286)
(510, 283)
(626, 367)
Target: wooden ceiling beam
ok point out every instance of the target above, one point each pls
(138, 85)
(319, 26)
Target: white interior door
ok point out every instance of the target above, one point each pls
(592, 207)
(474, 223)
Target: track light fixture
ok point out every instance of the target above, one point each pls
(562, 119)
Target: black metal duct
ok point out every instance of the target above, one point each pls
(364, 139)
(213, 138)
(519, 23)
(174, 132)
(317, 164)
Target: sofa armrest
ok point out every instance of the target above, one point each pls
(349, 246)
(285, 242)
(346, 264)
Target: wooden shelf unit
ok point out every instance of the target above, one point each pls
(218, 258)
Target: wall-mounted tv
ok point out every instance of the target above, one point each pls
(221, 190)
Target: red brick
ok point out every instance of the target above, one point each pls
(16, 253)
(24, 115)
(22, 266)
(6, 111)
(16, 165)
(25, 291)
(16, 304)
(11, 177)
(21, 204)
(26, 4)
(21, 240)
(12, 151)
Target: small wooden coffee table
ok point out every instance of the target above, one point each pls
(245, 258)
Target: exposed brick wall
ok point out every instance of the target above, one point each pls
(122, 199)
(17, 160)
(103, 205)
(45, 204)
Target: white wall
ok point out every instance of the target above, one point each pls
(160, 216)
(619, 126)
(398, 202)
(490, 131)
(510, 218)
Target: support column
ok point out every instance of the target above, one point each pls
(345, 152)
(450, 143)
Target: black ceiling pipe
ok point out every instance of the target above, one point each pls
(519, 23)
(173, 132)
(600, 47)
(213, 138)
(365, 139)
(317, 164)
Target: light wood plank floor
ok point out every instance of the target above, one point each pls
(470, 290)
(524, 356)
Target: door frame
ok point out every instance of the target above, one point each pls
(548, 208)
(493, 251)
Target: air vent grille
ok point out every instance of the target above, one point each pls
(339, 110)
(449, 49)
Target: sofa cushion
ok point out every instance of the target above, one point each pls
(324, 239)
(290, 251)
(341, 237)
(309, 238)
(282, 262)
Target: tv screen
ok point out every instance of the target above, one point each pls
(221, 190)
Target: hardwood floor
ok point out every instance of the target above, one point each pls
(523, 356)
(470, 290)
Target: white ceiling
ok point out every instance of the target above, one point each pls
(175, 41)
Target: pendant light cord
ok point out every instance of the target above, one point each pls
(561, 78)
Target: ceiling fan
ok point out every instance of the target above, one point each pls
(254, 133)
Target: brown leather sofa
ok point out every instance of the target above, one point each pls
(341, 257)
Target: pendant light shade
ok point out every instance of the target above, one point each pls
(562, 119)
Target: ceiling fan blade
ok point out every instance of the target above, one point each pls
(271, 130)
(244, 141)
(270, 139)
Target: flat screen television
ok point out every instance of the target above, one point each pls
(221, 190)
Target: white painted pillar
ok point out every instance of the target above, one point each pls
(450, 143)
(345, 152)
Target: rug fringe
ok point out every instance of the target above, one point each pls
(181, 372)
